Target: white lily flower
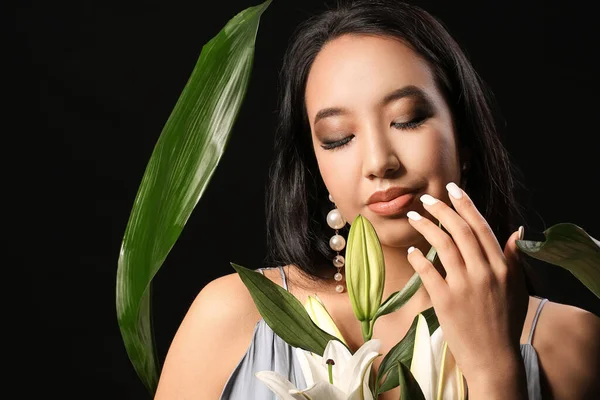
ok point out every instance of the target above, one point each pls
(338, 375)
(321, 317)
(434, 366)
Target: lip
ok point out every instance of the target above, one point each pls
(389, 194)
(392, 201)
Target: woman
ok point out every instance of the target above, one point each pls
(381, 114)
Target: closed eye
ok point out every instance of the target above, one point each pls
(337, 144)
(415, 123)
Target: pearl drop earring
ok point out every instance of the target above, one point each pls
(337, 243)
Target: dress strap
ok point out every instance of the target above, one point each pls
(283, 280)
(534, 323)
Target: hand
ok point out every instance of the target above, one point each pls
(482, 302)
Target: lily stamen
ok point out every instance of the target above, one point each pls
(330, 363)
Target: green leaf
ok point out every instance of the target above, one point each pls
(402, 352)
(284, 314)
(409, 387)
(182, 163)
(569, 246)
(399, 298)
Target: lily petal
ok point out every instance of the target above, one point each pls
(354, 372)
(362, 391)
(312, 367)
(460, 384)
(321, 390)
(451, 379)
(437, 347)
(423, 365)
(321, 317)
(341, 356)
(277, 383)
(444, 382)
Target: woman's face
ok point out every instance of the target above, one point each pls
(378, 122)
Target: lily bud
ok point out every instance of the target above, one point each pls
(365, 269)
(321, 317)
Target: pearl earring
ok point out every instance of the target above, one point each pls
(337, 243)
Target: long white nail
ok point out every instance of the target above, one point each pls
(521, 232)
(429, 200)
(454, 190)
(415, 216)
(411, 249)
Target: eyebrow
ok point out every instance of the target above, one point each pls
(407, 91)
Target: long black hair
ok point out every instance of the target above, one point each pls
(297, 199)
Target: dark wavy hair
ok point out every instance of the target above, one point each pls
(297, 199)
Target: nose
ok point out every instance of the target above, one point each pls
(380, 158)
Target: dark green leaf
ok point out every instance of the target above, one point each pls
(402, 352)
(409, 387)
(284, 314)
(569, 246)
(398, 299)
(182, 163)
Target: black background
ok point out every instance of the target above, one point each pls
(91, 85)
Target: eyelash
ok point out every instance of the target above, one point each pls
(415, 123)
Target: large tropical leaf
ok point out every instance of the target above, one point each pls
(569, 246)
(182, 163)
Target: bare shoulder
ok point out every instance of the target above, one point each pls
(209, 343)
(567, 340)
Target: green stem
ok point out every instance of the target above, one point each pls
(367, 330)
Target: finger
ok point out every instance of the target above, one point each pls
(459, 229)
(446, 249)
(511, 251)
(435, 285)
(481, 229)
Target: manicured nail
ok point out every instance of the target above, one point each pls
(454, 190)
(413, 215)
(521, 232)
(411, 249)
(429, 200)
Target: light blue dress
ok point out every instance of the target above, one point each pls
(268, 352)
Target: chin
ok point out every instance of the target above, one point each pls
(396, 232)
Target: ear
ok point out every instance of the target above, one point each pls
(465, 165)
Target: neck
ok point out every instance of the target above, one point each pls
(398, 271)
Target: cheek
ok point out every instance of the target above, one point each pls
(434, 156)
(340, 175)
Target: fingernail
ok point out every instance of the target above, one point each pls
(411, 249)
(429, 200)
(521, 232)
(454, 190)
(413, 215)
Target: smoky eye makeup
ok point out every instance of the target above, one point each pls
(331, 145)
(417, 113)
(414, 118)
